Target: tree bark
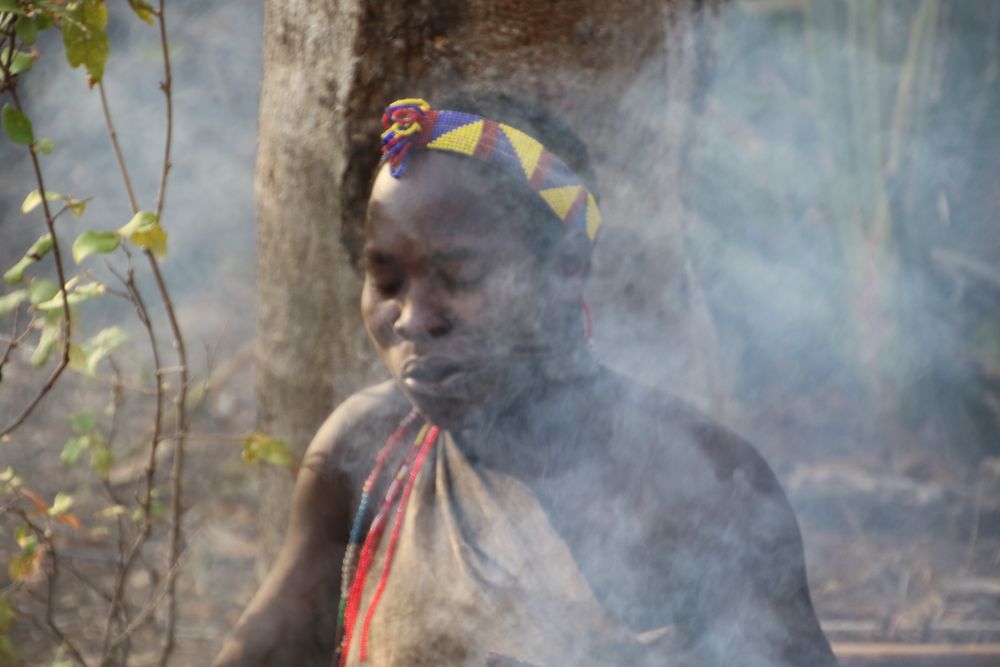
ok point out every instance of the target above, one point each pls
(626, 74)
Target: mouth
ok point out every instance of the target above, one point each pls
(434, 376)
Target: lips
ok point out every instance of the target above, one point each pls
(438, 376)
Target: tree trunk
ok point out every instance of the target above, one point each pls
(624, 73)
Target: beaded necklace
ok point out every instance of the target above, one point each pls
(354, 574)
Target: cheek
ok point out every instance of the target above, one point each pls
(510, 306)
(379, 314)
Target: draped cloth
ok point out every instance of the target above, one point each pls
(479, 571)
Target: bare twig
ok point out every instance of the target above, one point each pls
(176, 474)
(163, 591)
(129, 553)
(118, 150)
(167, 86)
(57, 256)
(52, 577)
(15, 340)
(181, 397)
(143, 313)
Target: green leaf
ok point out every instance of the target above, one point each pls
(9, 480)
(10, 6)
(100, 457)
(111, 511)
(74, 448)
(140, 221)
(25, 538)
(84, 38)
(145, 231)
(143, 10)
(15, 274)
(79, 295)
(39, 249)
(78, 359)
(45, 146)
(26, 30)
(34, 198)
(8, 302)
(16, 126)
(62, 503)
(82, 422)
(44, 20)
(76, 207)
(6, 615)
(20, 63)
(51, 333)
(101, 345)
(42, 289)
(259, 447)
(24, 565)
(88, 243)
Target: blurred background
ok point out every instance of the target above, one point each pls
(826, 280)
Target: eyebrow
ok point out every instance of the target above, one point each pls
(457, 254)
(375, 256)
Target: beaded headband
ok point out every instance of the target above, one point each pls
(411, 123)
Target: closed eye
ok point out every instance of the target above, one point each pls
(383, 273)
(461, 270)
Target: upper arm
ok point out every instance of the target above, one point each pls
(762, 612)
(287, 620)
(291, 618)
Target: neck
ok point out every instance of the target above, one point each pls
(543, 419)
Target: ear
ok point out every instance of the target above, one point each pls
(569, 265)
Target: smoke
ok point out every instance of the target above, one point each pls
(817, 284)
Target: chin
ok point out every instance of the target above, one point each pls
(449, 413)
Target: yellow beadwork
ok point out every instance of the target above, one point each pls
(460, 140)
(528, 149)
(412, 122)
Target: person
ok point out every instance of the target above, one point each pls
(529, 506)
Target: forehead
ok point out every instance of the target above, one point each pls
(441, 199)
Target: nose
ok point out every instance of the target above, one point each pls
(421, 315)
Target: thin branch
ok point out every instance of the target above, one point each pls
(8, 78)
(143, 313)
(176, 473)
(181, 397)
(166, 86)
(128, 555)
(57, 256)
(15, 340)
(51, 577)
(118, 150)
(146, 614)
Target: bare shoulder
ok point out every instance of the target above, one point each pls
(705, 481)
(665, 429)
(349, 439)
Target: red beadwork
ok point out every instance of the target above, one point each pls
(408, 471)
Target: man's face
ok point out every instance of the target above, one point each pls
(453, 299)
